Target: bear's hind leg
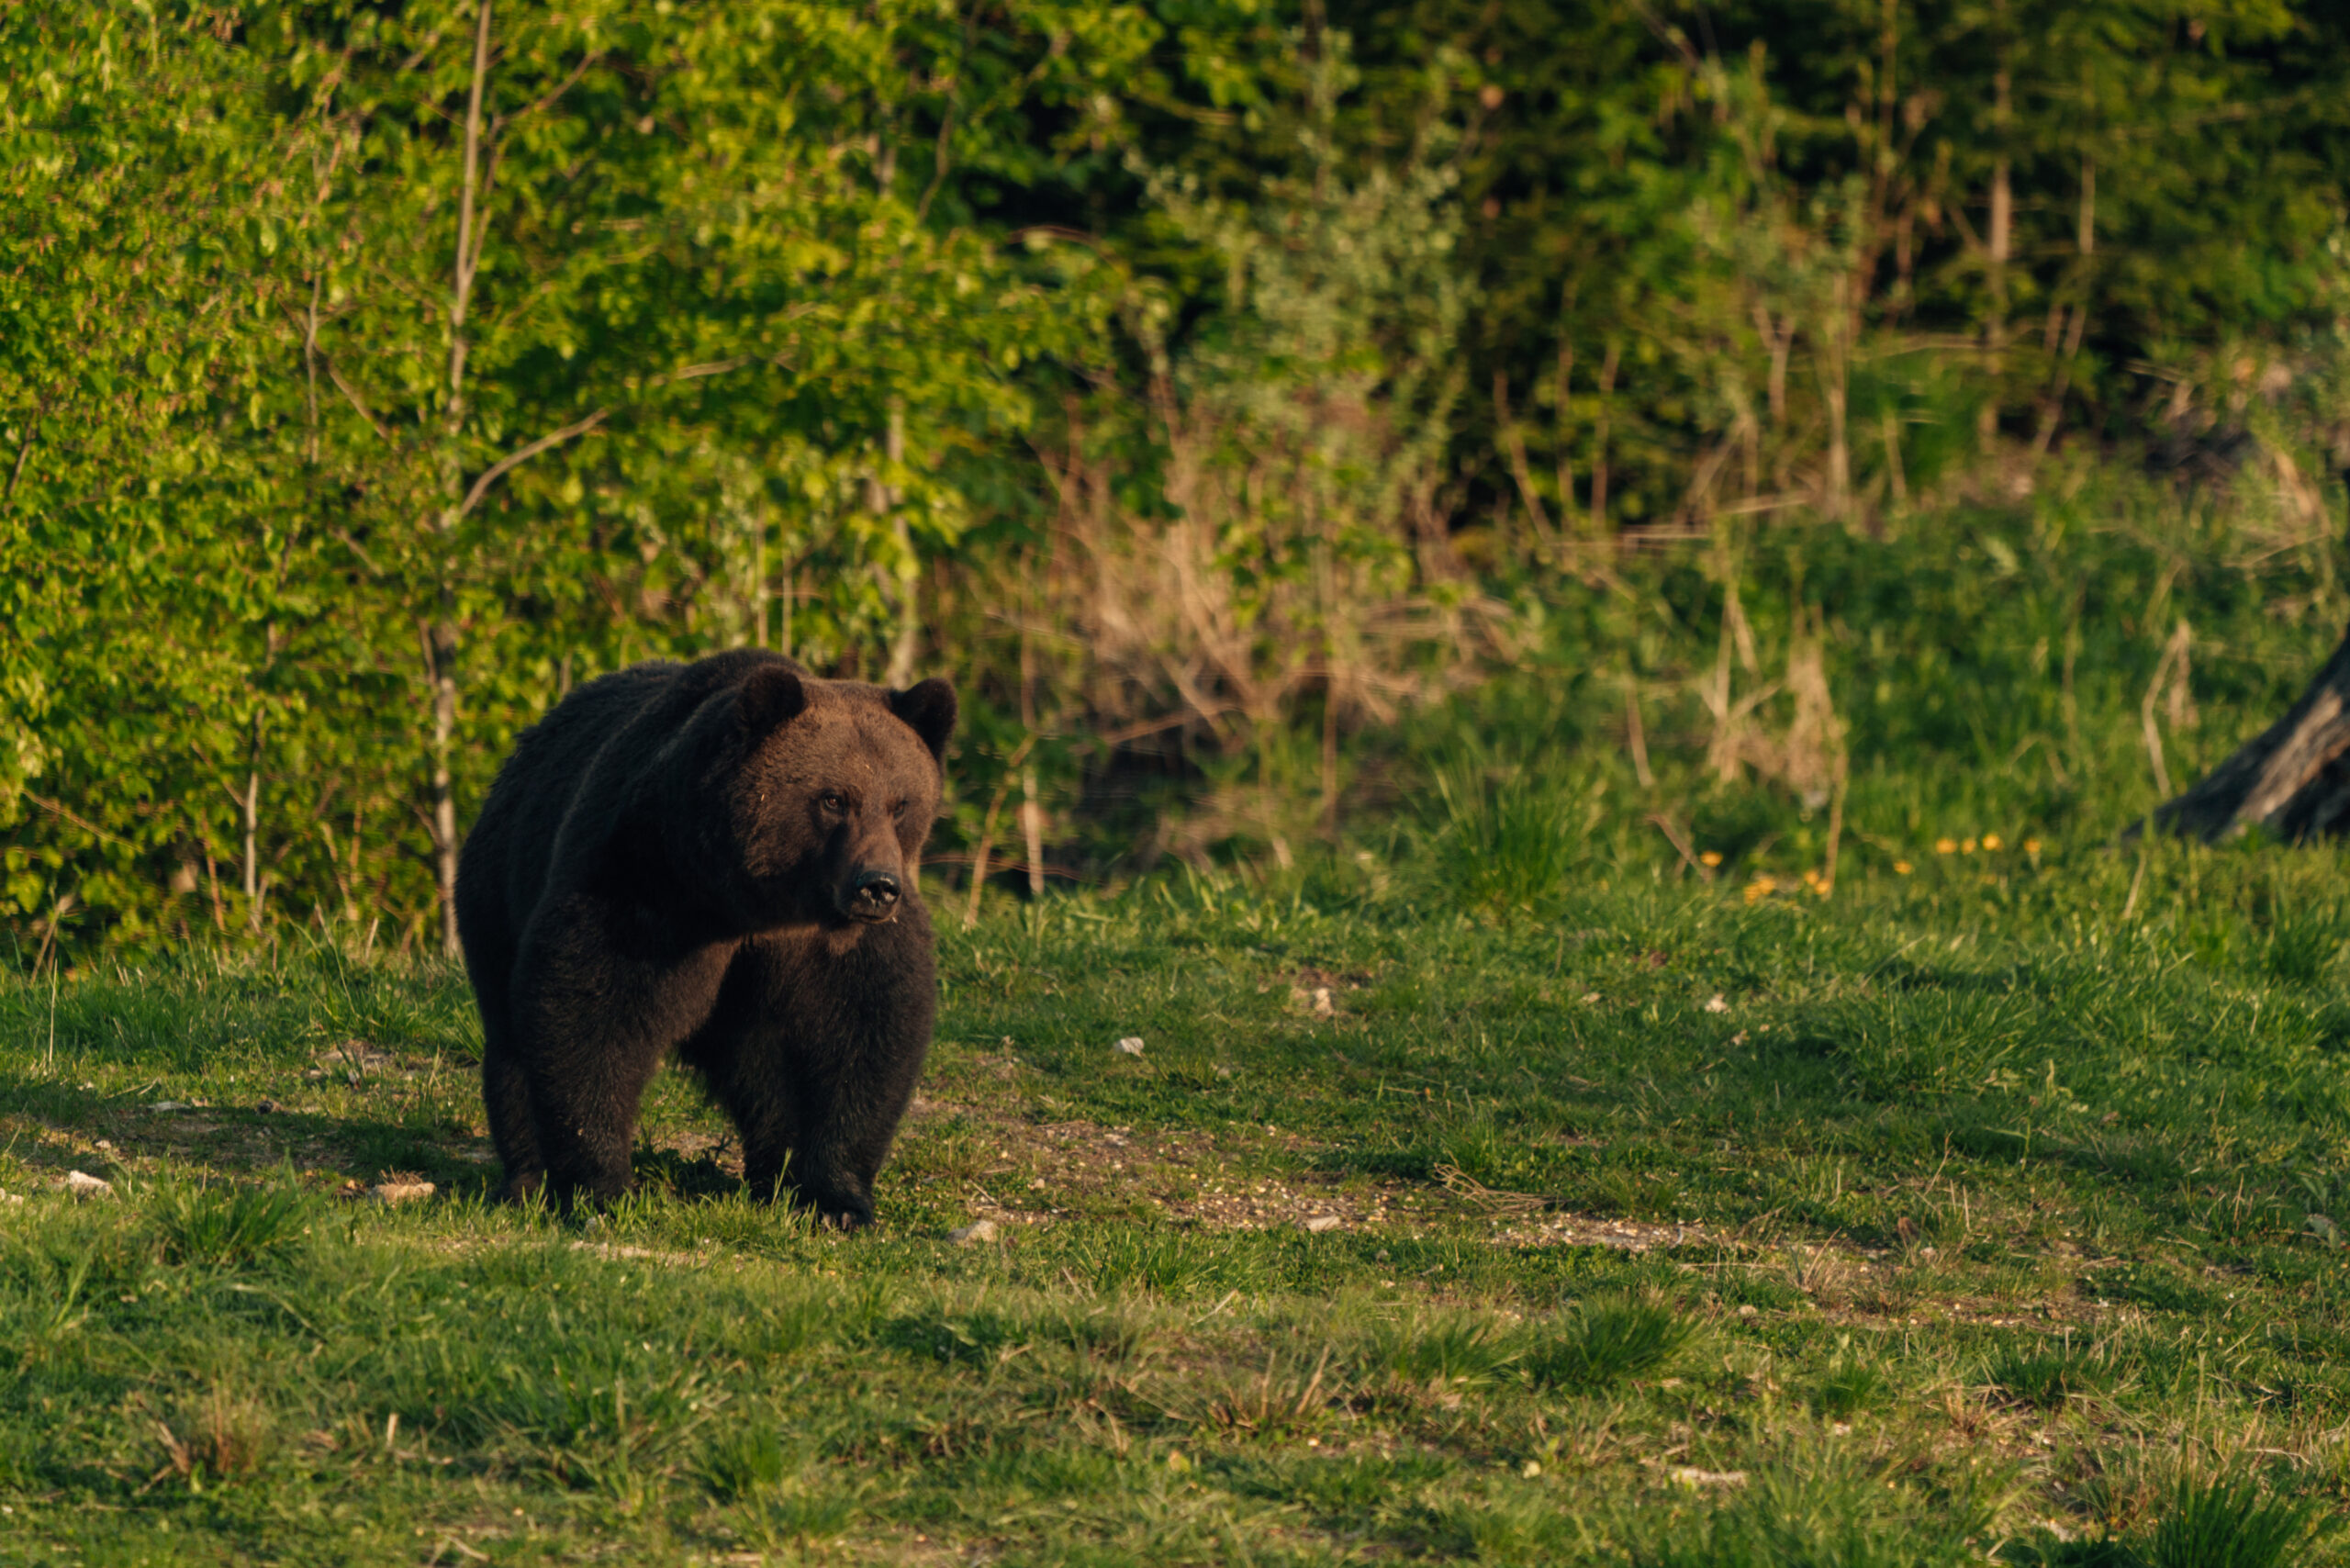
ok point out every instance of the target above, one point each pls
(593, 1021)
(738, 1054)
(506, 1091)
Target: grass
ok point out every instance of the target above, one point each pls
(1975, 1219)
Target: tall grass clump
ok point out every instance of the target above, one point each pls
(1500, 844)
(1447, 1352)
(1827, 1516)
(2046, 1376)
(1604, 1341)
(224, 1226)
(2229, 1523)
(743, 1464)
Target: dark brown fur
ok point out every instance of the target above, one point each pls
(716, 859)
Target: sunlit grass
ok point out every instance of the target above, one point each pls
(1948, 1211)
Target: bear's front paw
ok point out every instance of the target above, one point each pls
(858, 1216)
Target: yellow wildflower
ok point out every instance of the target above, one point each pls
(1901, 867)
(1990, 841)
(1710, 859)
(1967, 847)
(1945, 846)
(2031, 847)
(1760, 888)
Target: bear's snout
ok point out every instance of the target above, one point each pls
(872, 895)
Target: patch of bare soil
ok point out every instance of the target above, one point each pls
(1034, 1173)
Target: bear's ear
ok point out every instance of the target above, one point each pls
(928, 707)
(768, 697)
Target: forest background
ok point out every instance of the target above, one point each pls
(1569, 436)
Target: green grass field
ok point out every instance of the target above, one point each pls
(1988, 1210)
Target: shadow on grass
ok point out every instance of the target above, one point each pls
(244, 1140)
(1902, 975)
(235, 1140)
(670, 1171)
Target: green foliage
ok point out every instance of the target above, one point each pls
(1220, 391)
(1722, 252)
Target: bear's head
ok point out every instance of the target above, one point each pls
(827, 792)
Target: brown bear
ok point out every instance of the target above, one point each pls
(716, 859)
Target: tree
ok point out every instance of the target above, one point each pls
(2292, 780)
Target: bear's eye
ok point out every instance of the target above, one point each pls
(832, 801)
(898, 811)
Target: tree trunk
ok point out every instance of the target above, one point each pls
(2293, 779)
(441, 645)
(252, 851)
(883, 499)
(440, 641)
(1998, 238)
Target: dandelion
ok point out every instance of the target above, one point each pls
(1945, 846)
(1760, 888)
(1710, 859)
(1967, 847)
(1991, 841)
(1902, 867)
(2031, 847)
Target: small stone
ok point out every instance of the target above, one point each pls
(1531, 1469)
(1037, 1185)
(1320, 1223)
(160, 1107)
(402, 1192)
(1590, 996)
(971, 1235)
(1322, 1008)
(1131, 1045)
(104, 1144)
(83, 1185)
(1716, 1005)
(1746, 1313)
